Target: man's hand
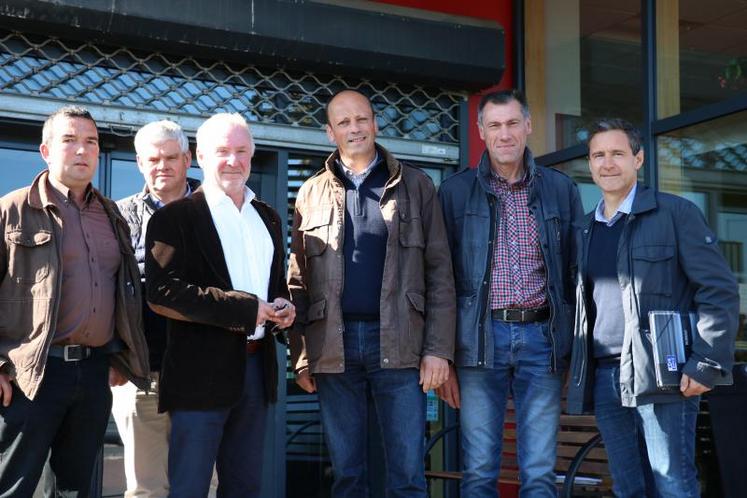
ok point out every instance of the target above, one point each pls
(434, 371)
(6, 389)
(265, 312)
(449, 390)
(285, 312)
(116, 378)
(691, 387)
(306, 381)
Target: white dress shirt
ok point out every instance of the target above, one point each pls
(247, 245)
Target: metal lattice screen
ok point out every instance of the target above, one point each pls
(87, 73)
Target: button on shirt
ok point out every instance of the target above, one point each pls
(90, 261)
(247, 245)
(624, 208)
(518, 276)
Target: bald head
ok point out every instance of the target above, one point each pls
(344, 95)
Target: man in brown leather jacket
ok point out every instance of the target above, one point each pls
(371, 276)
(69, 308)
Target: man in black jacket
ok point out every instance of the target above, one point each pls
(215, 266)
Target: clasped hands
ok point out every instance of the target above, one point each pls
(281, 312)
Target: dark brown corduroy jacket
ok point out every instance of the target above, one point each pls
(418, 305)
(187, 281)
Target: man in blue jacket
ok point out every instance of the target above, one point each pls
(510, 225)
(643, 251)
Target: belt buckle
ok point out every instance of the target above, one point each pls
(523, 315)
(508, 315)
(78, 352)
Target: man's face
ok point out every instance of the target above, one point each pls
(226, 157)
(72, 153)
(614, 167)
(164, 167)
(504, 129)
(352, 126)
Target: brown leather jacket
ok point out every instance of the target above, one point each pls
(418, 304)
(30, 283)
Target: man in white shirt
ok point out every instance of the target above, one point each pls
(215, 266)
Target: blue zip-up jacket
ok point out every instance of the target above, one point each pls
(470, 212)
(667, 260)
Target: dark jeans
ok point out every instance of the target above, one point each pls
(668, 455)
(232, 439)
(400, 406)
(69, 416)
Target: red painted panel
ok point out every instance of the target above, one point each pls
(497, 10)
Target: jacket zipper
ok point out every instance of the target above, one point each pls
(581, 273)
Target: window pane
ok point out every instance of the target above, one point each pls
(583, 61)
(707, 163)
(18, 168)
(126, 179)
(701, 53)
(578, 169)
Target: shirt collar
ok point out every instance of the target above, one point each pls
(624, 208)
(158, 203)
(216, 197)
(352, 174)
(62, 193)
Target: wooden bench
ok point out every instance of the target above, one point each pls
(581, 465)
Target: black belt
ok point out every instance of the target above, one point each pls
(72, 352)
(521, 315)
(608, 361)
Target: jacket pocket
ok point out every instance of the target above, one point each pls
(316, 230)
(315, 330)
(411, 231)
(416, 321)
(317, 310)
(29, 255)
(652, 269)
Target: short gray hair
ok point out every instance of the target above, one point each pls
(157, 132)
(225, 118)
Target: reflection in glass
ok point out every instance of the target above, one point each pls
(701, 53)
(583, 61)
(707, 163)
(18, 168)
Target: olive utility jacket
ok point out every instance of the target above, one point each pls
(418, 306)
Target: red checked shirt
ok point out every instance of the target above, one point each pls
(518, 276)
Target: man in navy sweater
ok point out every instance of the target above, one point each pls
(370, 274)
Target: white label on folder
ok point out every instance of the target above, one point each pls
(671, 363)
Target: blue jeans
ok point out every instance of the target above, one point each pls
(667, 431)
(400, 408)
(232, 439)
(522, 367)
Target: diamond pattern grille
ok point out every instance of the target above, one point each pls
(95, 74)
